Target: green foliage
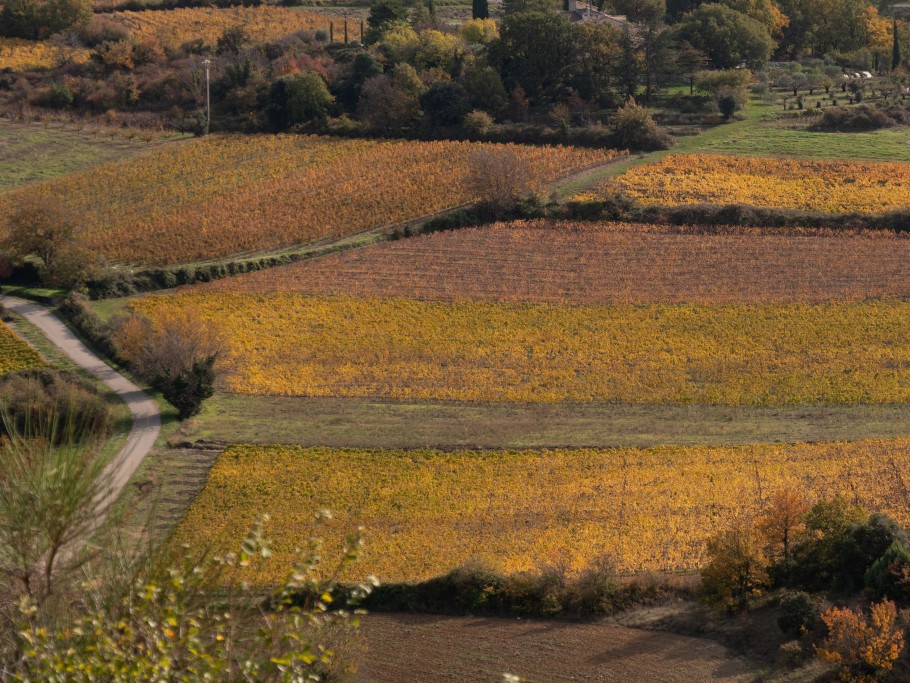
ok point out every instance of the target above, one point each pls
(484, 87)
(298, 99)
(57, 97)
(635, 129)
(728, 37)
(548, 592)
(446, 103)
(41, 18)
(480, 9)
(187, 388)
(182, 619)
(709, 82)
(797, 614)
(536, 51)
(889, 576)
(383, 13)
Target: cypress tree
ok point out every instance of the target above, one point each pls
(345, 31)
(431, 7)
(895, 49)
(480, 9)
(331, 33)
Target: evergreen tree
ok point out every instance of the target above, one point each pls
(480, 9)
(895, 49)
(431, 6)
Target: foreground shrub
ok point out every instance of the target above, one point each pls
(862, 646)
(34, 399)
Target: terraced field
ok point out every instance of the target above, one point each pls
(428, 511)
(222, 195)
(606, 263)
(826, 186)
(774, 354)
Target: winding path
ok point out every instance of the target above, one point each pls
(144, 409)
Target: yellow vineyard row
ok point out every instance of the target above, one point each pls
(298, 345)
(427, 511)
(826, 186)
(221, 195)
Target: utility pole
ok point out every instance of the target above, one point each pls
(208, 96)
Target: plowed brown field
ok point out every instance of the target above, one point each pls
(430, 649)
(547, 261)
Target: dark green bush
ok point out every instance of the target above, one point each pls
(798, 613)
(889, 576)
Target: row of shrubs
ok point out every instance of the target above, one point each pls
(476, 589)
(615, 207)
(862, 118)
(619, 207)
(644, 137)
(126, 283)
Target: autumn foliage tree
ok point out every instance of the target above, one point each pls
(44, 229)
(175, 352)
(781, 522)
(736, 569)
(862, 646)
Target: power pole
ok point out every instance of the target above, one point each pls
(208, 96)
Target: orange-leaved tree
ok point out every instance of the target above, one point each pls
(862, 646)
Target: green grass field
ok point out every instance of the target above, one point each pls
(31, 153)
(366, 423)
(757, 133)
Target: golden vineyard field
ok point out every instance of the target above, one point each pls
(227, 194)
(15, 354)
(296, 345)
(826, 186)
(27, 55)
(428, 511)
(262, 24)
(606, 263)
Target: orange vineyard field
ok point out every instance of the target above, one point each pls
(606, 263)
(825, 186)
(264, 23)
(25, 55)
(227, 194)
(297, 345)
(428, 511)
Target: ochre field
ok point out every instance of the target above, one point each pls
(221, 195)
(15, 354)
(826, 186)
(602, 263)
(262, 24)
(428, 511)
(25, 55)
(298, 345)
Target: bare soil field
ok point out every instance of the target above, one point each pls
(547, 261)
(424, 648)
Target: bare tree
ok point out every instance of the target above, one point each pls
(499, 178)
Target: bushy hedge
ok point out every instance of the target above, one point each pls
(115, 284)
(475, 589)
